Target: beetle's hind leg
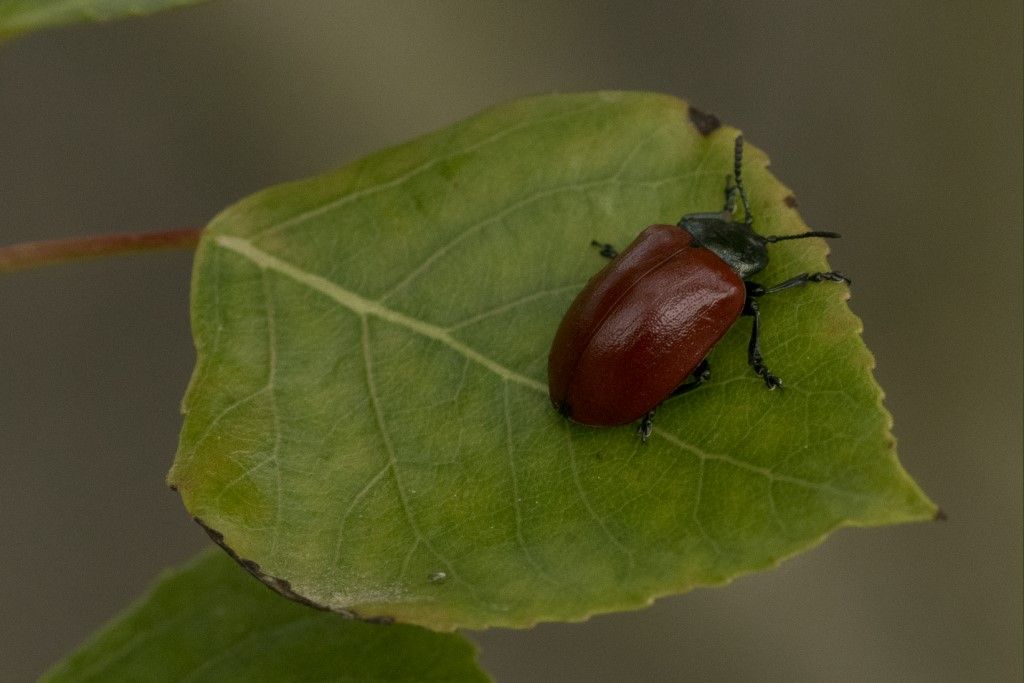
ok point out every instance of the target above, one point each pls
(700, 374)
(607, 250)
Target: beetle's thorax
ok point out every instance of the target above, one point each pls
(735, 243)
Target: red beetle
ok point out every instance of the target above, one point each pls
(647, 321)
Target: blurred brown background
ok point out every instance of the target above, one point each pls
(898, 123)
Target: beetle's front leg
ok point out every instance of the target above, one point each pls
(754, 291)
(607, 250)
(754, 347)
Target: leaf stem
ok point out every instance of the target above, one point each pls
(28, 255)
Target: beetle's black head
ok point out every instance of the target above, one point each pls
(734, 242)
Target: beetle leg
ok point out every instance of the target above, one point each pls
(607, 250)
(700, 374)
(806, 278)
(754, 348)
(646, 426)
(753, 292)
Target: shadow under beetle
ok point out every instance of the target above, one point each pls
(647, 321)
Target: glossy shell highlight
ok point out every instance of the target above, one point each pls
(640, 326)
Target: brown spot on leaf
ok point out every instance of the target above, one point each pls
(790, 201)
(705, 123)
(940, 516)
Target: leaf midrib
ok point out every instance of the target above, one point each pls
(362, 306)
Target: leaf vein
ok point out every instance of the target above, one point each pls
(586, 500)
(363, 492)
(271, 380)
(392, 461)
(364, 307)
(757, 469)
(446, 248)
(696, 510)
(412, 173)
(514, 304)
(251, 637)
(543, 573)
(222, 414)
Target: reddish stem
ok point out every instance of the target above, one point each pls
(37, 254)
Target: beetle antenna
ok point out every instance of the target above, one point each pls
(814, 233)
(738, 168)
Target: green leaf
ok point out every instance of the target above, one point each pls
(369, 418)
(22, 16)
(211, 622)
